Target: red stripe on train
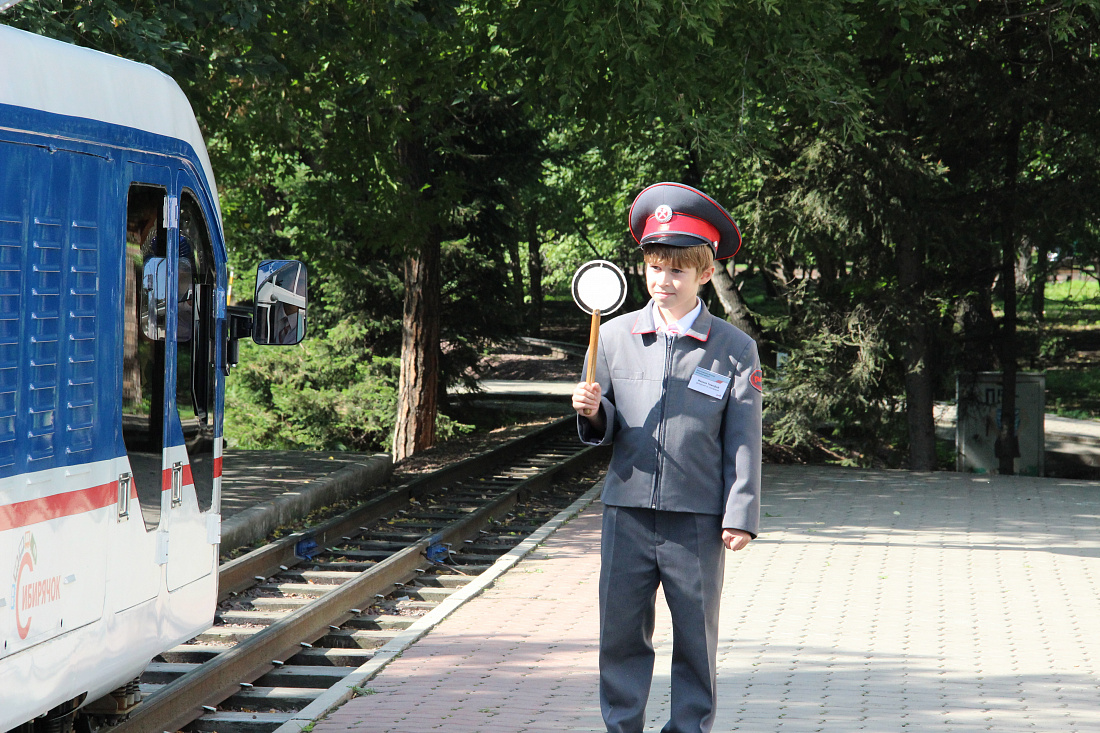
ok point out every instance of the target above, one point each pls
(33, 511)
(166, 478)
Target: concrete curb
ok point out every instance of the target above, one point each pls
(257, 522)
(351, 685)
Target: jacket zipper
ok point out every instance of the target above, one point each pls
(669, 341)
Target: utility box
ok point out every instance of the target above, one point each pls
(978, 422)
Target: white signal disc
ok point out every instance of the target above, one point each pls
(599, 285)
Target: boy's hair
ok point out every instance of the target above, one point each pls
(700, 257)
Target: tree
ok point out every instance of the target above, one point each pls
(891, 161)
(729, 81)
(932, 202)
(350, 135)
(1005, 85)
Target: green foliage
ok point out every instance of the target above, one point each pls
(865, 148)
(712, 75)
(1053, 347)
(328, 393)
(142, 31)
(1073, 302)
(836, 379)
(1074, 392)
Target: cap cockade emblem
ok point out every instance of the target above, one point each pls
(663, 214)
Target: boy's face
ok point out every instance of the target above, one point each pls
(675, 289)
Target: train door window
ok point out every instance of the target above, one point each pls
(143, 355)
(195, 354)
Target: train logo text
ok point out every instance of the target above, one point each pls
(28, 590)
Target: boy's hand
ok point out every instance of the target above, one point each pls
(735, 539)
(586, 399)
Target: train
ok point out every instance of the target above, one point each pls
(116, 337)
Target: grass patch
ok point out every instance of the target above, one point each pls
(1073, 302)
(1073, 376)
(1074, 393)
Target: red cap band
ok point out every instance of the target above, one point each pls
(681, 224)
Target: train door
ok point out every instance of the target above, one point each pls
(137, 548)
(192, 420)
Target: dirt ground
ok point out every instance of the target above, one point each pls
(515, 361)
(532, 366)
(456, 449)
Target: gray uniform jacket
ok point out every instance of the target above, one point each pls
(676, 448)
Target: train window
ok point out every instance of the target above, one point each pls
(195, 357)
(143, 356)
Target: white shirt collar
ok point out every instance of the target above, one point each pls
(681, 326)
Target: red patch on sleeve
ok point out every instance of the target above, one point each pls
(756, 379)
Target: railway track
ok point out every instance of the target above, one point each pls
(300, 616)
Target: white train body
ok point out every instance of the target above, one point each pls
(111, 392)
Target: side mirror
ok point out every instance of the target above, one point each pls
(279, 310)
(154, 302)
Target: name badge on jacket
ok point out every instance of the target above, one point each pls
(708, 383)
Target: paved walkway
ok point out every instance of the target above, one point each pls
(874, 601)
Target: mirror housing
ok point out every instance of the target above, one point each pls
(277, 316)
(279, 310)
(238, 326)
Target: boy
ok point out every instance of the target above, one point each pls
(678, 393)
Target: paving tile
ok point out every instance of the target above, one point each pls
(873, 601)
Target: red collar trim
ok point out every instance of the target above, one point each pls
(700, 336)
(639, 327)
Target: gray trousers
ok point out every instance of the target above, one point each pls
(682, 552)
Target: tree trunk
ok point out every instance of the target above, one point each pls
(1023, 267)
(534, 272)
(737, 310)
(515, 270)
(1039, 283)
(918, 375)
(975, 318)
(418, 390)
(418, 387)
(918, 399)
(1007, 446)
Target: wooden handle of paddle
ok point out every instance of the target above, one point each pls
(593, 344)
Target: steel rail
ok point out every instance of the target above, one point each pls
(183, 700)
(239, 574)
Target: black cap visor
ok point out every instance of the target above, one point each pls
(676, 239)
